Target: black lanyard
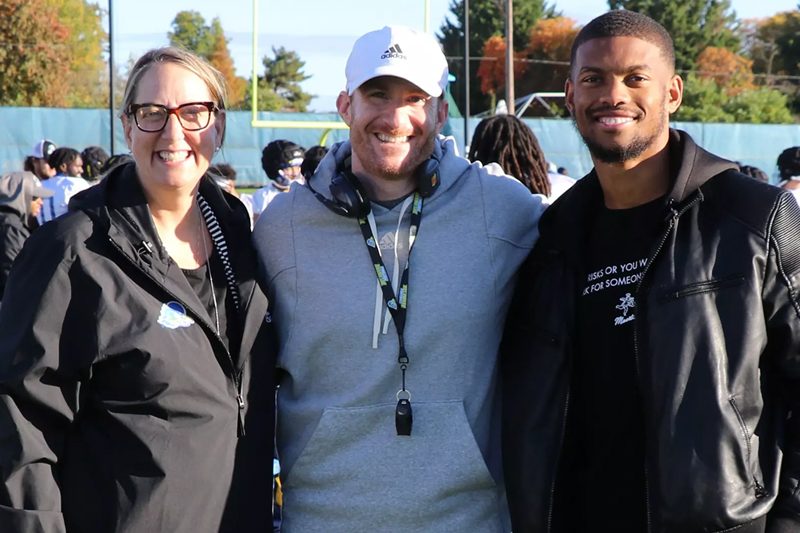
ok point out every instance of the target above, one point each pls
(397, 305)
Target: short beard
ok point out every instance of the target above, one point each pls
(409, 166)
(621, 154)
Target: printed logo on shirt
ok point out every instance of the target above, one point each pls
(173, 316)
(622, 277)
(626, 303)
(614, 276)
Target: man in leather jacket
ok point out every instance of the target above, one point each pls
(652, 357)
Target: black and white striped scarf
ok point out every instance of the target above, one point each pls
(222, 248)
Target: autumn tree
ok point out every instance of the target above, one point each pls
(547, 54)
(190, 31)
(279, 88)
(220, 58)
(486, 19)
(776, 47)
(492, 68)
(731, 72)
(34, 58)
(86, 41)
(693, 24)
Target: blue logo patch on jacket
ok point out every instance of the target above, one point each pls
(173, 316)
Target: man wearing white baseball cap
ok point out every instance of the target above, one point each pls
(39, 155)
(387, 409)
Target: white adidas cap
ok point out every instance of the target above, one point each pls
(398, 51)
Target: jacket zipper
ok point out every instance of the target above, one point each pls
(558, 461)
(673, 218)
(562, 436)
(760, 491)
(237, 375)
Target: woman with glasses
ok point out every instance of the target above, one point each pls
(136, 353)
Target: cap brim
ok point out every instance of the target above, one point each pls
(409, 74)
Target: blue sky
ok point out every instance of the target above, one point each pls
(320, 31)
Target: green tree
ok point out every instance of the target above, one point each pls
(486, 19)
(706, 101)
(279, 88)
(693, 24)
(190, 31)
(34, 58)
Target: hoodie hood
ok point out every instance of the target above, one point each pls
(451, 166)
(17, 191)
(691, 166)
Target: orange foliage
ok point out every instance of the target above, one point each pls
(552, 38)
(34, 60)
(220, 58)
(492, 69)
(729, 70)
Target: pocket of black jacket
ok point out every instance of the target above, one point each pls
(701, 287)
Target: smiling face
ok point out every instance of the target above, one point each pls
(172, 159)
(620, 93)
(393, 124)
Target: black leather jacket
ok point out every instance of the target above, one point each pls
(717, 346)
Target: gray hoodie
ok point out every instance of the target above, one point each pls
(17, 191)
(344, 467)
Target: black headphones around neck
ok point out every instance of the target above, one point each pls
(349, 198)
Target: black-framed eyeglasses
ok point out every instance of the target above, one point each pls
(193, 116)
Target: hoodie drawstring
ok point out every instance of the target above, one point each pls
(380, 306)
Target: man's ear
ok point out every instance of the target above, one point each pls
(569, 96)
(343, 106)
(442, 111)
(674, 93)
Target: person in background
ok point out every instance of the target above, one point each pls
(38, 159)
(94, 157)
(113, 161)
(388, 401)
(651, 366)
(20, 201)
(224, 175)
(311, 160)
(67, 182)
(753, 172)
(506, 140)
(136, 350)
(789, 171)
(281, 160)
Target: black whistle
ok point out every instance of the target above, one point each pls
(403, 418)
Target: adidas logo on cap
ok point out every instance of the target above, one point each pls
(394, 52)
(419, 60)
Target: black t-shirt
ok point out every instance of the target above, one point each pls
(228, 324)
(601, 483)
